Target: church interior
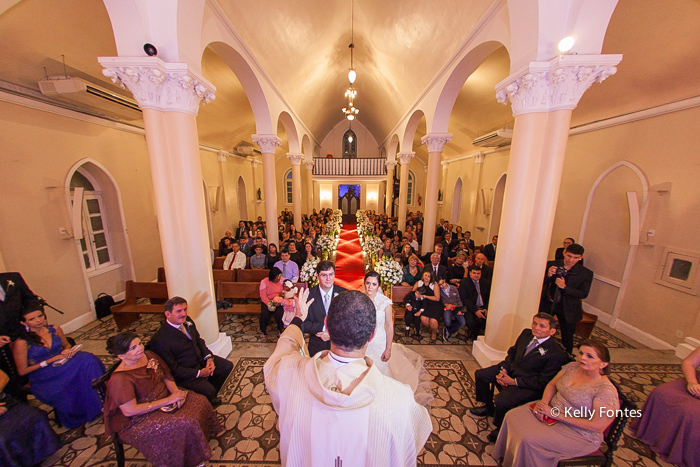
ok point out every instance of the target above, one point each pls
(119, 159)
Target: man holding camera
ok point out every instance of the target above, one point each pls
(566, 284)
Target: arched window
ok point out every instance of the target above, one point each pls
(288, 186)
(411, 188)
(349, 145)
(95, 244)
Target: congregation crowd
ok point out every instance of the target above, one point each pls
(159, 398)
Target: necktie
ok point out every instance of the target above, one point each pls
(233, 260)
(184, 331)
(479, 300)
(284, 270)
(326, 301)
(531, 346)
(436, 269)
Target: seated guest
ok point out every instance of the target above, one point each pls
(486, 270)
(271, 291)
(474, 293)
(406, 252)
(529, 365)
(295, 255)
(439, 249)
(228, 235)
(340, 400)
(414, 308)
(388, 250)
(434, 266)
(468, 239)
(245, 247)
(448, 245)
(412, 271)
(226, 247)
(258, 260)
(456, 271)
(59, 376)
(582, 386)
(453, 310)
(432, 305)
(272, 255)
(410, 238)
(299, 240)
(290, 269)
(256, 242)
(311, 238)
(26, 438)
(192, 364)
(144, 405)
(309, 253)
(260, 234)
(240, 230)
(236, 259)
(490, 249)
(670, 420)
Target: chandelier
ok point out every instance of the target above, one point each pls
(351, 111)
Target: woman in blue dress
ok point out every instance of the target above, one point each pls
(59, 376)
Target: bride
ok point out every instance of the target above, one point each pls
(392, 359)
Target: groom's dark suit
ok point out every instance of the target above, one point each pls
(314, 321)
(186, 357)
(532, 372)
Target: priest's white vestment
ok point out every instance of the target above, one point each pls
(341, 417)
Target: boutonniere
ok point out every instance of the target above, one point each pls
(541, 350)
(152, 364)
(10, 284)
(336, 294)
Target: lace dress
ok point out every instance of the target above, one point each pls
(405, 365)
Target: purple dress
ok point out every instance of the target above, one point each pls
(66, 388)
(175, 439)
(670, 423)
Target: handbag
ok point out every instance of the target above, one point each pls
(103, 305)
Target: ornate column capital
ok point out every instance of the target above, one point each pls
(390, 165)
(267, 143)
(444, 164)
(222, 156)
(309, 165)
(405, 157)
(295, 159)
(479, 158)
(436, 141)
(159, 85)
(554, 85)
(254, 162)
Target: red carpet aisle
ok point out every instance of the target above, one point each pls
(349, 268)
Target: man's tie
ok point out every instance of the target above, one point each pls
(531, 346)
(479, 300)
(184, 331)
(326, 301)
(436, 270)
(233, 261)
(284, 270)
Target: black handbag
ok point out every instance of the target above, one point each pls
(103, 305)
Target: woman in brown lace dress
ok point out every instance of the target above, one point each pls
(169, 426)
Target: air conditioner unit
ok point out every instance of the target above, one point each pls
(79, 91)
(495, 139)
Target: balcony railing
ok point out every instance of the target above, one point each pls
(350, 167)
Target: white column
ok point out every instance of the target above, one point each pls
(309, 186)
(542, 98)
(389, 196)
(267, 144)
(435, 142)
(253, 166)
(169, 95)
(443, 184)
(296, 160)
(404, 159)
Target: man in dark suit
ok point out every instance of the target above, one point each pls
(395, 232)
(191, 363)
(559, 254)
(241, 228)
(566, 284)
(475, 291)
(322, 294)
(490, 249)
(486, 270)
(468, 239)
(438, 249)
(529, 365)
(434, 265)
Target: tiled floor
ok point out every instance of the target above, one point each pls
(251, 437)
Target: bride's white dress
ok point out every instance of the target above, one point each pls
(405, 365)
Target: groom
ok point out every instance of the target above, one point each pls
(322, 294)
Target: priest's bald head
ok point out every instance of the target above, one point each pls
(351, 320)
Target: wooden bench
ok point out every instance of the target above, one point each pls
(251, 275)
(585, 327)
(237, 292)
(224, 275)
(398, 294)
(130, 311)
(219, 262)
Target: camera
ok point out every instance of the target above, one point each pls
(561, 272)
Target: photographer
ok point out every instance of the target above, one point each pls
(566, 284)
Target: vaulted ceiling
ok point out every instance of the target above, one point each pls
(400, 46)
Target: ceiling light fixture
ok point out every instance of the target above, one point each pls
(350, 111)
(566, 44)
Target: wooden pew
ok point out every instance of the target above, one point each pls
(398, 293)
(252, 275)
(237, 292)
(129, 311)
(219, 262)
(219, 275)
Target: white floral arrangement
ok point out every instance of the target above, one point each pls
(326, 244)
(308, 271)
(389, 270)
(372, 245)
